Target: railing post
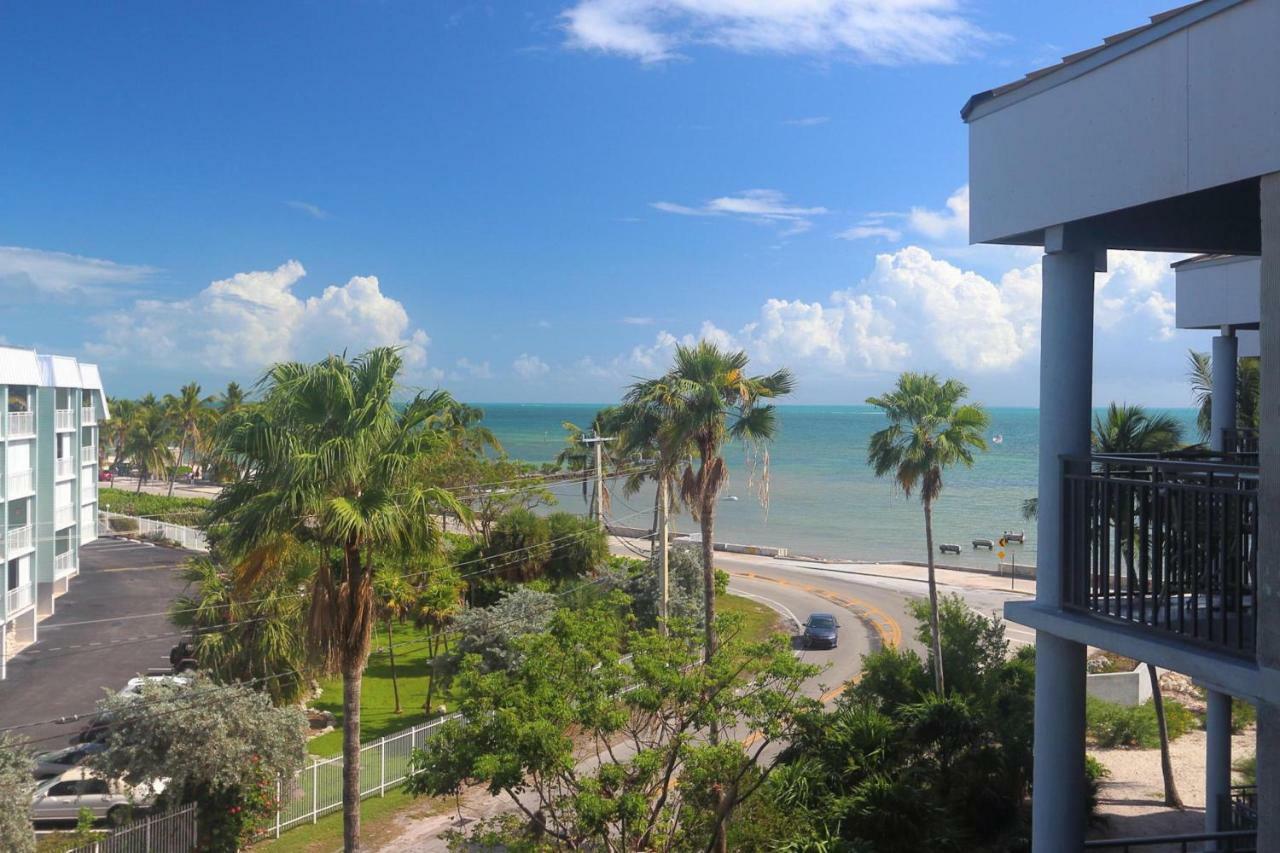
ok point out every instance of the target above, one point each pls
(382, 767)
(278, 804)
(315, 791)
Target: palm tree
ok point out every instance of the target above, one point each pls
(440, 597)
(147, 442)
(707, 400)
(930, 429)
(395, 597)
(328, 455)
(1200, 375)
(115, 432)
(580, 458)
(232, 400)
(1130, 429)
(191, 413)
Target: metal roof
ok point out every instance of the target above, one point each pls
(59, 371)
(1112, 47)
(18, 366)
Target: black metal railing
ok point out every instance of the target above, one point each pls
(1232, 841)
(1169, 545)
(1243, 812)
(1240, 440)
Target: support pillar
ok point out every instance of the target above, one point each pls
(1217, 760)
(1223, 411)
(1066, 406)
(1268, 582)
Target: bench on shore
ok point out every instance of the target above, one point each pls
(948, 548)
(983, 543)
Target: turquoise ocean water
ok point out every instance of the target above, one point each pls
(823, 499)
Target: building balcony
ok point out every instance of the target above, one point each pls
(64, 467)
(64, 419)
(18, 599)
(88, 417)
(63, 516)
(89, 455)
(18, 540)
(19, 484)
(88, 490)
(21, 424)
(64, 563)
(1168, 547)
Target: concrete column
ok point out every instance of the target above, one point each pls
(1217, 760)
(1066, 404)
(1223, 415)
(1268, 586)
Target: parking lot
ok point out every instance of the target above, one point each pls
(93, 643)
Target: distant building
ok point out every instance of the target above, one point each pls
(48, 484)
(1162, 138)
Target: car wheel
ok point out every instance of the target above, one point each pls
(119, 815)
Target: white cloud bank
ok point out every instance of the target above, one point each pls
(880, 32)
(530, 366)
(62, 274)
(253, 319)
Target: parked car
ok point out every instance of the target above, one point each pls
(105, 476)
(134, 687)
(62, 797)
(59, 761)
(821, 629)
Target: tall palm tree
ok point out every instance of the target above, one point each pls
(930, 429)
(707, 400)
(232, 400)
(1200, 375)
(191, 414)
(328, 455)
(1131, 429)
(440, 597)
(395, 597)
(115, 432)
(147, 444)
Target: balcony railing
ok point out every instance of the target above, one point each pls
(64, 419)
(21, 423)
(89, 455)
(64, 563)
(88, 489)
(19, 483)
(88, 416)
(63, 467)
(17, 539)
(1168, 545)
(64, 516)
(17, 599)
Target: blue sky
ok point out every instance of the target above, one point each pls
(536, 199)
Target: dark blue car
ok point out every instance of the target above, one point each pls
(821, 630)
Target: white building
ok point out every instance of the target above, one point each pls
(1162, 138)
(48, 484)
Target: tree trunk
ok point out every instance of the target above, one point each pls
(435, 669)
(351, 677)
(708, 525)
(391, 653)
(138, 488)
(173, 470)
(1171, 797)
(664, 566)
(935, 633)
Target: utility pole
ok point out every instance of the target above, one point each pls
(597, 504)
(662, 554)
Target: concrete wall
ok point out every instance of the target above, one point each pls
(1122, 688)
(1218, 292)
(1168, 112)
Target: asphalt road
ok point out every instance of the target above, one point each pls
(71, 665)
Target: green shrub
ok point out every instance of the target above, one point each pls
(519, 546)
(188, 512)
(1247, 768)
(578, 546)
(1243, 715)
(1111, 725)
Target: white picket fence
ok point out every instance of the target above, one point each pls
(316, 790)
(172, 832)
(116, 524)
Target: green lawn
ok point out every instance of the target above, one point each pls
(377, 706)
(758, 620)
(379, 819)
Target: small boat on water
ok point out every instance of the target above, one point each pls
(998, 438)
(730, 498)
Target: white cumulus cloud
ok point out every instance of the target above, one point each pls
(253, 319)
(881, 32)
(530, 366)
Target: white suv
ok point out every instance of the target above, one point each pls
(62, 797)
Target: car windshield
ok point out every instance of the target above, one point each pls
(821, 620)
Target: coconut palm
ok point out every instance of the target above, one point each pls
(232, 400)
(328, 453)
(1200, 375)
(395, 597)
(930, 429)
(191, 415)
(147, 441)
(1130, 429)
(115, 432)
(707, 400)
(440, 596)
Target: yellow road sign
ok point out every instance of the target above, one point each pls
(1000, 554)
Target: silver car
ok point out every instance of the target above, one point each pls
(62, 797)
